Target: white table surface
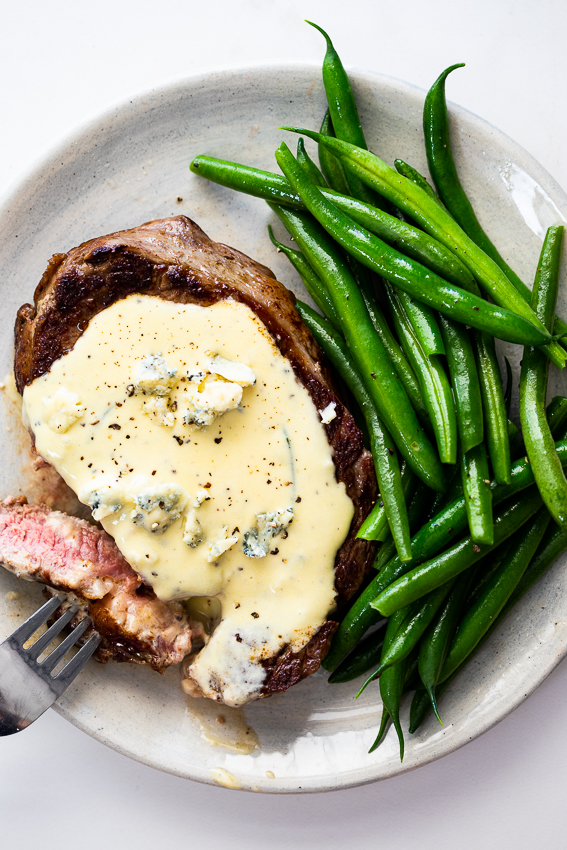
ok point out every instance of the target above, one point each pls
(64, 62)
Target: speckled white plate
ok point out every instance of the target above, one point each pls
(132, 166)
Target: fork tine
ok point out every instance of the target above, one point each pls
(43, 642)
(26, 630)
(76, 664)
(54, 657)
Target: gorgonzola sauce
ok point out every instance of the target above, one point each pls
(187, 433)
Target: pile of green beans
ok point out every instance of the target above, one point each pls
(472, 511)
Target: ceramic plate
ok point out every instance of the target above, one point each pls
(132, 166)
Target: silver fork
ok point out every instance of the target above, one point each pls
(27, 686)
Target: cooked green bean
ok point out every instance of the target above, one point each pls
(417, 506)
(385, 458)
(431, 538)
(540, 447)
(385, 721)
(313, 283)
(310, 168)
(485, 610)
(344, 113)
(478, 495)
(412, 174)
(431, 575)
(434, 384)
(391, 688)
(436, 221)
(399, 361)
(487, 568)
(551, 547)
(405, 237)
(517, 448)
(435, 643)
(417, 619)
(404, 273)
(508, 391)
(465, 383)
(549, 550)
(495, 417)
(372, 362)
(375, 526)
(444, 173)
(425, 325)
(332, 169)
(556, 412)
(364, 657)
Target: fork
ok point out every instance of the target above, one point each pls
(27, 686)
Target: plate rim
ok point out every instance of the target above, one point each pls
(36, 170)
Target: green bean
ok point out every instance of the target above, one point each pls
(427, 577)
(421, 705)
(313, 283)
(412, 174)
(556, 412)
(484, 611)
(417, 505)
(465, 383)
(391, 687)
(516, 440)
(441, 500)
(391, 691)
(418, 618)
(309, 166)
(436, 221)
(444, 173)
(509, 384)
(375, 526)
(332, 169)
(425, 325)
(405, 273)
(385, 458)
(363, 658)
(551, 547)
(549, 550)
(366, 347)
(487, 569)
(478, 495)
(431, 538)
(540, 447)
(344, 114)
(411, 677)
(435, 386)
(453, 494)
(399, 361)
(382, 730)
(276, 189)
(495, 417)
(435, 643)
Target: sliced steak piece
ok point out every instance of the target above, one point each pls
(72, 555)
(175, 260)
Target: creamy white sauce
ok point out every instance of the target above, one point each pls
(229, 457)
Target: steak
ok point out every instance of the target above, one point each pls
(72, 555)
(176, 261)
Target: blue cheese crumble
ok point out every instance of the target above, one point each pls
(214, 389)
(62, 410)
(152, 376)
(258, 541)
(158, 507)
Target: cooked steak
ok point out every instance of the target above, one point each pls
(175, 260)
(72, 555)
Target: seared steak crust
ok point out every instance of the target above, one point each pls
(175, 260)
(72, 555)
